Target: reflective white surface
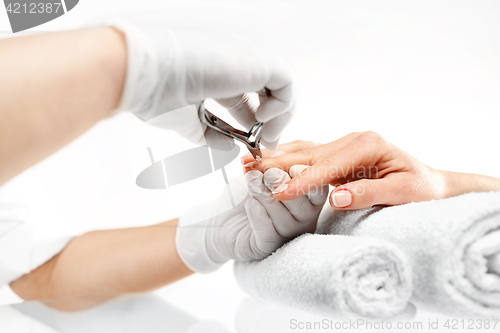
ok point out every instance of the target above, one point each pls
(152, 314)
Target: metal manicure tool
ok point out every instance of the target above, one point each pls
(251, 139)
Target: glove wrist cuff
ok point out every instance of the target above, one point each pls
(145, 68)
(192, 247)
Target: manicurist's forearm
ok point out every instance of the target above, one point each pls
(54, 87)
(100, 265)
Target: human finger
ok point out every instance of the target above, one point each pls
(308, 156)
(282, 219)
(361, 153)
(266, 238)
(365, 193)
(300, 208)
(283, 148)
(282, 92)
(242, 108)
(273, 128)
(318, 196)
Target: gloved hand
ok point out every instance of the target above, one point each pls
(168, 70)
(251, 230)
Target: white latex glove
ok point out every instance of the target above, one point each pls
(168, 70)
(290, 218)
(253, 229)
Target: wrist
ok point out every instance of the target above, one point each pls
(452, 183)
(459, 183)
(118, 66)
(192, 247)
(142, 68)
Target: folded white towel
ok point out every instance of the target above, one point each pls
(453, 246)
(336, 276)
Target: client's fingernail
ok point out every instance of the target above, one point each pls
(244, 157)
(278, 153)
(280, 189)
(341, 198)
(250, 165)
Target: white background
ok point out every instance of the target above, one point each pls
(425, 74)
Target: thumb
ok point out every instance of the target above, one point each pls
(242, 108)
(216, 140)
(366, 193)
(267, 238)
(184, 121)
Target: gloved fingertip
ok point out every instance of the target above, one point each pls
(318, 196)
(254, 174)
(274, 177)
(271, 145)
(253, 178)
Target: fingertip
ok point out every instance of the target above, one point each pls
(318, 196)
(274, 177)
(248, 158)
(281, 189)
(262, 166)
(341, 198)
(245, 159)
(252, 166)
(254, 174)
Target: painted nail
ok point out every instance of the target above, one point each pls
(342, 198)
(280, 189)
(278, 153)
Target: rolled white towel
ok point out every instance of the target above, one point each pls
(336, 276)
(453, 246)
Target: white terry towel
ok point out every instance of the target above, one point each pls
(453, 246)
(336, 276)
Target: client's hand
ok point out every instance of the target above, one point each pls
(367, 170)
(253, 228)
